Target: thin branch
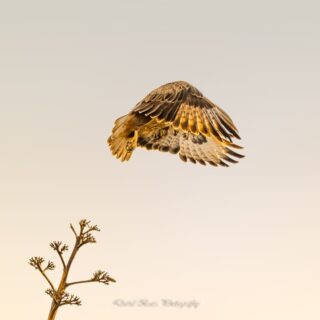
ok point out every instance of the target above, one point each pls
(77, 282)
(59, 248)
(62, 260)
(93, 228)
(47, 278)
(98, 276)
(74, 231)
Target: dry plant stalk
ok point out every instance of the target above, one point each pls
(58, 294)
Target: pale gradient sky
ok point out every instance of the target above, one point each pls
(244, 241)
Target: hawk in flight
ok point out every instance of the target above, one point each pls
(177, 118)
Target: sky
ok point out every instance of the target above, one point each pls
(243, 242)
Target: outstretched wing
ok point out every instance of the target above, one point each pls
(192, 147)
(185, 108)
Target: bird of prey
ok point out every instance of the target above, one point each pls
(177, 118)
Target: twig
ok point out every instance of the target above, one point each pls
(62, 260)
(78, 282)
(73, 230)
(48, 280)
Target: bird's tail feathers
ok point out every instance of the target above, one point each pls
(120, 144)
